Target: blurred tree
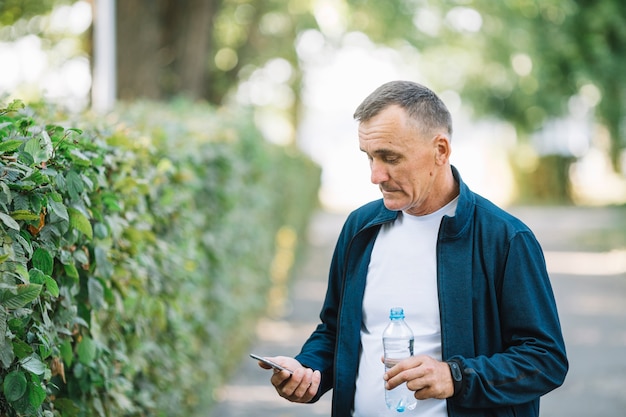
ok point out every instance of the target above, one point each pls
(13, 10)
(538, 55)
(520, 60)
(530, 56)
(201, 48)
(525, 61)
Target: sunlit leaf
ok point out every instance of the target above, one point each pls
(79, 222)
(33, 364)
(24, 215)
(15, 105)
(9, 221)
(10, 145)
(70, 270)
(52, 286)
(25, 294)
(22, 272)
(40, 148)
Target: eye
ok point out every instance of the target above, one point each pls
(391, 159)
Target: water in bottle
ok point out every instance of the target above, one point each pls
(398, 345)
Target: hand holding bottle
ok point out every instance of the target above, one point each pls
(426, 376)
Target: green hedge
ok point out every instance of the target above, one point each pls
(135, 253)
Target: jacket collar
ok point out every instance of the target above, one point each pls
(451, 227)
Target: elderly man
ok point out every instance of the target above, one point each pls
(471, 278)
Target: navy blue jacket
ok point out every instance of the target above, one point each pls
(498, 314)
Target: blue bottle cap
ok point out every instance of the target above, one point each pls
(396, 313)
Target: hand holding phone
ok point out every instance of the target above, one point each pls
(268, 362)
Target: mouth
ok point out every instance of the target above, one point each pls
(387, 190)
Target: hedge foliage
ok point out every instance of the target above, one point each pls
(135, 252)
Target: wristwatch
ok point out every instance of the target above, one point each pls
(457, 376)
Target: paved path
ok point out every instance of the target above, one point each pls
(586, 255)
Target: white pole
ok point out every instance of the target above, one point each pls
(104, 75)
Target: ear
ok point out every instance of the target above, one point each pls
(442, 149)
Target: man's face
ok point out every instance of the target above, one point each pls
(403, 164)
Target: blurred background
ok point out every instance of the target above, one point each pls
(536, 90)
(535, 87)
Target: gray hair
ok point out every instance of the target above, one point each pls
(422, 105)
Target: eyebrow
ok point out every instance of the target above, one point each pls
(383, 152)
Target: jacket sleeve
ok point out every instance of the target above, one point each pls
(318, 352)
(529, 358)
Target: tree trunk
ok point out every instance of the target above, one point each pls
(139, 53)
(188, 29)
(163, 47)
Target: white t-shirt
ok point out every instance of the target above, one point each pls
(402, 273)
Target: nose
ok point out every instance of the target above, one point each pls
(378, 172)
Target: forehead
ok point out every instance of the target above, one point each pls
(391, 126)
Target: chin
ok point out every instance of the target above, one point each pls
(392, 205)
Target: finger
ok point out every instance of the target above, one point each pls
(314, 386)
(304, 385)
(279, 378)
(430, 380)
(398, 373)
(291, 385)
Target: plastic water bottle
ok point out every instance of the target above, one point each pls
(398, 345)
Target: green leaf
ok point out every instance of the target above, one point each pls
(15, 105)
(52, 286)
(22, 272)
(79, 158)
(24, 295)
(21, 348)
(40, 148)
(66, 352)
(36, 395)
(6, 347)
(24, 215)
(33, 364)
(4, 257)
(14, 385)
(79, 222)
(43, 261)
(75, 185)
(71, 271)
(86, 350)
(5, 192)
(35, 276)
(8, 220)
(67, 407)
(10, 145)
(96, 293)
(59, 209)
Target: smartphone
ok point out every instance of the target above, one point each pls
(270, 363)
